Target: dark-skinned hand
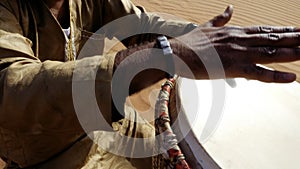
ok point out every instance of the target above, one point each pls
(239, 49)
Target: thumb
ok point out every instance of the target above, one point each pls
(221, 19)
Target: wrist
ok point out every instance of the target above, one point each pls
(176, 47)
(188, 64)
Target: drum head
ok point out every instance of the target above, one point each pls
(258, 128)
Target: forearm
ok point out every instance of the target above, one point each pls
(150, 65)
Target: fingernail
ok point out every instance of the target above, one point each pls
(229, 9)
(296, 29)
(289, 77)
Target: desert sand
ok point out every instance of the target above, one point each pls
(246, 12)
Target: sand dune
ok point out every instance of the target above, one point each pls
(246, 12)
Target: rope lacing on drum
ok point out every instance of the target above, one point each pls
(168, 142)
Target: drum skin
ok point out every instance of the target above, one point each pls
(195, 154)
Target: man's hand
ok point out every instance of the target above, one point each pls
(240, 50)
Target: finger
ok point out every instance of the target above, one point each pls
(221, 19)
(270, 29)
(270, 39)
(265, 55)
(265, 75)
(231, 82)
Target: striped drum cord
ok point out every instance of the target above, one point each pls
(173, 157)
